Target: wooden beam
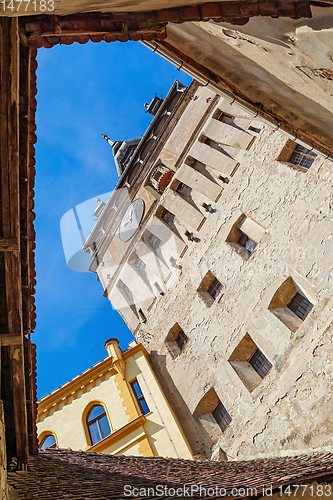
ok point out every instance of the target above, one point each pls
(64, 33)
(13, 292)
(9, 245)
(7, 339)
(20, 405)
(10, 213)
(9, 107)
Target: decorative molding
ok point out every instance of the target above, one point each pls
(80, 382)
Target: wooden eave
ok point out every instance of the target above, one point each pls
(17, 235)
(49, 30)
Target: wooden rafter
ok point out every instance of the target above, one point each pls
(9, 245)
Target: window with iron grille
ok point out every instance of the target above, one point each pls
(181, 188)
(246, 243)
(291, 304)
(139, 397)
(210, 289)
(139, 265)
(221, 416)
(250, 364)
(181, 340)
(302, 156)
(300, 306)
(176, 340)
(215, 288)
(260, 363)
(153, 242)
(245, 235)
(127, 294)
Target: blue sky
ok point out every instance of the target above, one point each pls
(83, 92)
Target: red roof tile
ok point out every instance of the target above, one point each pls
(69, 474)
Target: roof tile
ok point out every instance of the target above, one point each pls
(80, 474)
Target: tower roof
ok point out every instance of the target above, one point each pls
(122, 152)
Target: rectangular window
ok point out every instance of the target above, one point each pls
(164, 214)
(215, 288)
(250, 364)
(302, 157)
(210, 289)
(139, 397)
(181, 340)
(244, 236)
(223, 117)
(127, 294)
(139, 265)
(254, 129)
(221, 416)
(181, 188)
(300, 306)
(260, 363)
(153, 242)
(142, 315)
(176, 340)
(246, 243)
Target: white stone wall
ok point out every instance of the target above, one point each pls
(289, 410)
(283, 64)
(287, 212)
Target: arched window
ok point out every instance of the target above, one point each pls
(98, 424)
(49, 441)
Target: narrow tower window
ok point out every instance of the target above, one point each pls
(139, 397)
(221, 416)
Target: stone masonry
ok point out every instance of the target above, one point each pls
(241, 169)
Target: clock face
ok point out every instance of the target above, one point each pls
(131, 220)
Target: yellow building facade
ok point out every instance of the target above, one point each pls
(116, 407)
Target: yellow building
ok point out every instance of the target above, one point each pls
(116, 407)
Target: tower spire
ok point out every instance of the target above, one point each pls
(108, 140)
(122, 152)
